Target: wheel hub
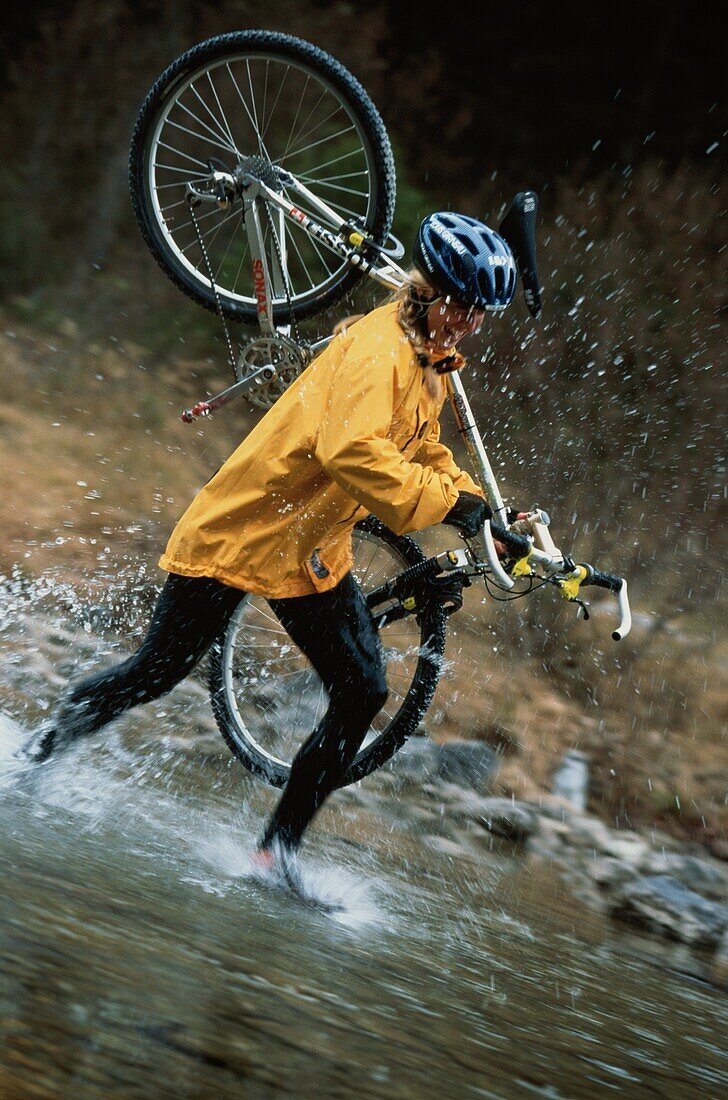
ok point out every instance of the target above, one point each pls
(261, 169)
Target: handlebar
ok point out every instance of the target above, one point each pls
(618, 586)
(518, 546)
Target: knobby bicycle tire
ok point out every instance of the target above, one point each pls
(431, 625)
(196, 64)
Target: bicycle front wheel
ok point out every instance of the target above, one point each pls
(291, 106)
(267, 698)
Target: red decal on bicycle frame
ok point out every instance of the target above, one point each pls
(297, 214)
(259, 283)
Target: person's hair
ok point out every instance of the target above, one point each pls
(411, 296)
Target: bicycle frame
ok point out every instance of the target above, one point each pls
(531, 546)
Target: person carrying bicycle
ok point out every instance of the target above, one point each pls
(356, 433)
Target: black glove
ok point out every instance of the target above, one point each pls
(446, 589)
(468, 514)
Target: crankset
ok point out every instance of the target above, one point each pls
(286, 358)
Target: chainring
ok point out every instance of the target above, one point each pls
(280, 352)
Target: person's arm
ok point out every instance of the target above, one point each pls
(438, 457)
(353, 447)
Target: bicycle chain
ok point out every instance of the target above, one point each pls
(218, 302)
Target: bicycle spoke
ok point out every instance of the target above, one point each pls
(364, 574)
(266, 125)
(240, 268)
(178, 183)
(261, 145)
(315, 144)
(185, 156)
(182, 171)
(266, 615)
(335, 160)
(226, 137)
(303, 262)
(233, 235)
(265, 98)
(225, 122)
(200, 137)
(327, 179)
(266, 629)
(201, 218)
(172, 205)
(201, 122)
(215, 231)
(252, 121)
(307, 133)
(295, 120)
(335, 187)
(321, 256)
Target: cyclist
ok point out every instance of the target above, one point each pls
(357, 432)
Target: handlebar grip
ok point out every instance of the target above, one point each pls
(618, 585)
(603, 580)
(518, 546)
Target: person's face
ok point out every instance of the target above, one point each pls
(448, 323)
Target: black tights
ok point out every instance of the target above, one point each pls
(334, 629)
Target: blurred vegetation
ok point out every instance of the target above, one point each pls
(610, 412)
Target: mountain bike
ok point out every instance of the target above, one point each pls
(263, 182)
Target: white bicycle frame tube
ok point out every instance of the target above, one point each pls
(483, 470)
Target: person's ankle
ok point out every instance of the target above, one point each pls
(263, 859)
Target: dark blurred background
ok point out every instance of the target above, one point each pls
(610, 410)
(479, 101)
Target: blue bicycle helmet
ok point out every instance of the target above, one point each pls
(463, 258)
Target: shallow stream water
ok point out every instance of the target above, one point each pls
(140, 957)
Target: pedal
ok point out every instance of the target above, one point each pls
(202, 408)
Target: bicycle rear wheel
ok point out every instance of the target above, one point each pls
(267, 698)
(290, 105)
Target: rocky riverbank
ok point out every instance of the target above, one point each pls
(647, 879)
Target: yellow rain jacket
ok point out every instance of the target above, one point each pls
(357, 432)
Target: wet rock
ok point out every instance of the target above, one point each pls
(513, 820)
(554, 832)
(464, 763)
(588, 832)
(416, 761)
(469, 805)
(719, 969)
(468, 763)
(610, 873)
(703, 877)
(663, 904)
(629, 847)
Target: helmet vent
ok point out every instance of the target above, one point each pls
(500, 284)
